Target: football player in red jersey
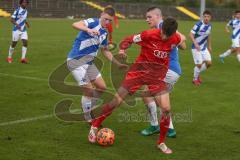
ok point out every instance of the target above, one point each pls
(149, 69)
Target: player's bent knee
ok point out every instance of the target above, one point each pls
(199, 66)
(25, 44)
(166, 109)
(14, 44)
(208, 64)
(148, 100)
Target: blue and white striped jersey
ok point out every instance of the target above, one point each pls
(86, 44)
(201, 32)
(20, 16)
(235, 24)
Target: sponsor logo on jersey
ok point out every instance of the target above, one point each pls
(160, 54)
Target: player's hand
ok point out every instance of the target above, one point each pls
(227, 30)
(27, 24)
(197, 47)
(18, 27)
(122, 54)
(93, 32)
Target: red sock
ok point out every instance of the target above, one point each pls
(106, 111)
(164, 126)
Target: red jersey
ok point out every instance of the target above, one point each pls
(153, 48)
(151, 65)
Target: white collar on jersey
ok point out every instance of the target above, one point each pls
(205, 23)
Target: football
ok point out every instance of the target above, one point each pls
(105, 137)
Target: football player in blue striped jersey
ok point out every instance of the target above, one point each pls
(19, 20)
(91, 37)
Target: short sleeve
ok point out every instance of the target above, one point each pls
(140, 37)
(195, 29)
(90, 23)
(14, 15)
(230, 23)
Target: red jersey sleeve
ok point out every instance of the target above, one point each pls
(137, 38)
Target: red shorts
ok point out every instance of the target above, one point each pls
(148, 74)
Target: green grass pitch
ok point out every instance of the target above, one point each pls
(206, 117)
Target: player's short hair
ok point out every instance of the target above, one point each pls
(169, 26)
(237, 11)
(207, 12)
(154, 8)
(109, 10)
(21, 1)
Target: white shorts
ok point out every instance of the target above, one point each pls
(200, 56)
(16, 35)
(85, 73)
(236, 42)
(171, 77)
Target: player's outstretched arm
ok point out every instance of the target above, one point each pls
(110, 57)
(137, 38)
(125, 44)
(81, 26)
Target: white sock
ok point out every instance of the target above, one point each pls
(171, 124)
(225, 54)
(238, 57)
(10, 52)
(152, 110)
(24, 51)
(203, 68)
(87, 106)
(196, 72)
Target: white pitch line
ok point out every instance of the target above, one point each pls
(23, 77)
(34, 118)
(26, 120)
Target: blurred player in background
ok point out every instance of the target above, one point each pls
(149, 69)
(201, 47)
(92, 36)
(110, 29)
(235, 25)
(19, 20)
(154, 19)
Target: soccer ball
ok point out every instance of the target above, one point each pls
(105, 137)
